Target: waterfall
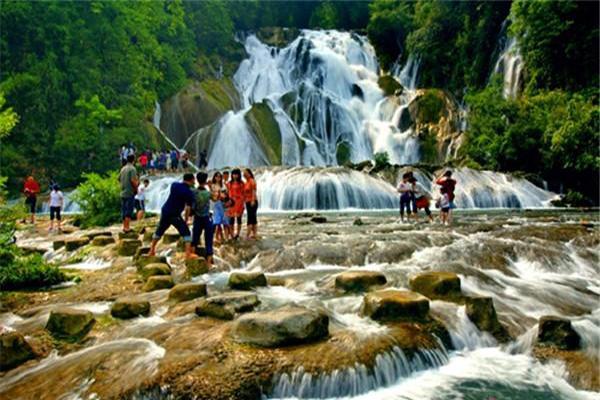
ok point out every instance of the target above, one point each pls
(510, 65)
(408, 74)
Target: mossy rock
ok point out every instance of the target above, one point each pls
(141, 251)
(170, 237)
(70, 323)
(75, 243)
(103, 241)
(14, 350)
(144, 260)
(187, 291)
(558, 332)
(148, 235)
(437, 285)
(277, 36)
(130, 307)
(262, 122)
(155, 269)
(482, 313)
(196, 266)
(389, 85)
(128, 235)
(158, 283)
(395, 305)
(428, 107)
(128, 247)
(57, 244)
(94, 234)
(342, 154)
(359, 281)
(246, 280)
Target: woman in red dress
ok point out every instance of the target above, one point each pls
(236, 193)
(251, 203)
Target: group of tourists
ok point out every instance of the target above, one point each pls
(31, 190)
(413, 197)
(157, 161)
(216, 206)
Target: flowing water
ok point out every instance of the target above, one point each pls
(509, 63)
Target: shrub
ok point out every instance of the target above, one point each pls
(29, 273)
(100, 199)
(382, 160)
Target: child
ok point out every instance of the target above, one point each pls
(140, 200)
(405, 190)
(56, 204)
(227, 206)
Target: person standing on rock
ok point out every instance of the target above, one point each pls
(448, 185)
(251, 201)
(202, 218)
(236, 193)
(128, 179)
(140, 200)
(56, 204)
(405, 190)
(31, 188)
(217, 194)
(181, 198)
(421, 199)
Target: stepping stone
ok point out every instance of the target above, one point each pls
(144, 260)
(95, 234)
(102, 240)
(75, 243)
(128, 235)
(158, 282)
(70, 323)
(558, 332)
(227, 305)
(196, 266)
(57, 244)
(437, 285)
(359, 281)
(482, 313)
(128, 247)
(395, 305)
(170, 237)
(281, 327)
(130, 307)
(246, 280)
(14, 350)
(187, 291)
(155, 269)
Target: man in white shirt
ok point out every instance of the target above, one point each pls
(56, 204)
(140, 200)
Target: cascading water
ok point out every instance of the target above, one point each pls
(510, 66)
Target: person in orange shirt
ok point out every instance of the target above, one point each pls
(31, 189)
(251, 201)
(236, 193)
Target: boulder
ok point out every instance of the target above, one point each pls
(57, 244)
(75, 243)
(226, 305)
(389, 85)
(155, 269)
(196, 266)
(102, 240)
(70, 323)
(14, 350)
(482, 313)
(246, 280)
(358, 222)
(359, 281)
(170, 237)
(128, 247)
(558, 332)
(94, 234)
(437, 285)
(281, 327)
(144, 260)
(158, 282)
(395, 305)
(128, 235)
(130, 307)
(319, 219)
(187, 291)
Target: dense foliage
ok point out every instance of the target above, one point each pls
(99, 198)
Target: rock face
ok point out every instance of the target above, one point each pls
(69, 323)
(246, 280)
(482, 313)
(187, 291)
(158, 282)
(14, 350)
(196, 266)
(558, 332)
(128, 247)
(395, 305)
(285, 326)
(155, 269)
(437, 285)
(359, 281)
(226, 305)
(262, 122)
(75, 243)
(129, 307)
(103, 240)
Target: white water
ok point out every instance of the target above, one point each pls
(510, 66)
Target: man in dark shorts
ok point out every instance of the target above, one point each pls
(128, 180)
(180, 198)
(31, 189)
(202, 219)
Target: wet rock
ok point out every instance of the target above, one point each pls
(395, 305)
(102, 240)
(226, 305)
(158, 282)
(170, 237)
(128, 235)
(148, 235)
(389, 85)
(359, 281)
(94, 234)
(482, 313)
(196, 266)
(75, 243)
(558, 332)
(246, 280)
(358, 222)
(144, 260)
(57, 244)
(437, 285)
(130, 307)
(155, 269)
(141, 251)
(187, 291)
(582, 367)
(285, 326)
(318, 219)
(70, 323)
(128, 247)
(14, 350)
(29, 250)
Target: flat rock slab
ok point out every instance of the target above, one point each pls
(282, 327)
(558, 332)
(246, 280)
(395, 305)
(70, 323)
(14, 350)
(482, 313)
(75, 243)
(227, 305)
(143, 260)
(128, 247)
(187, 291)
(437, 285)
(155, 269)
(158, 282)
(128, 235)
(129, 307)
(103, 240)
(359, 281)
(94, 234)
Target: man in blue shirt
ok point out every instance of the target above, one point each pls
(180, 198)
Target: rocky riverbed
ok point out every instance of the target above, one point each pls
(502, 304)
